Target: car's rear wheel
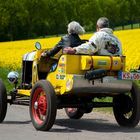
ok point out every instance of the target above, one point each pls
(88, 109)
(3, 101)
(127, 107)
(74, 113)
(43, 105)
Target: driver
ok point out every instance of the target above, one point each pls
(72, 39)
(103, 42)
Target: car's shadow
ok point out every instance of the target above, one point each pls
(72, 126)
(96, 125)
(17, 122)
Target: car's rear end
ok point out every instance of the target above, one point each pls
(84, 75)
(79, 79)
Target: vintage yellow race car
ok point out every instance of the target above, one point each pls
(73, 82)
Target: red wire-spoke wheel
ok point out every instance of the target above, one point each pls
(39, 105)
(43, 105)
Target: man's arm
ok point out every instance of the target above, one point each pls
(89, 47)
(86, 48)
(63, 42)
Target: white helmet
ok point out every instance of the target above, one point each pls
(13, 77)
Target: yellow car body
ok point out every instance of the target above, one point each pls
(69, 68)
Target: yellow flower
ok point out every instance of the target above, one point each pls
(11, 52)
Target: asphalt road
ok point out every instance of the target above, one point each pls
(94, 126)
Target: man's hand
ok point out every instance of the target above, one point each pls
(69, 50)
(44, 55)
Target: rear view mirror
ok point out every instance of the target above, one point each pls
(38, 45)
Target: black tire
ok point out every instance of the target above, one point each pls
(3, 101)
(43, 105)
(76, 113)
(88, 109)
(127, 107)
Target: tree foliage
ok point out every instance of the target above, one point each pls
(23, 19)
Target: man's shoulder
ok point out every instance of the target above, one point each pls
(97, 35)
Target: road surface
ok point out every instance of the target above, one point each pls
(94, 126)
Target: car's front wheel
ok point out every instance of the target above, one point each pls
(43, 105)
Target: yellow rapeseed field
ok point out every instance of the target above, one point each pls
(130, 40)
(11, 52)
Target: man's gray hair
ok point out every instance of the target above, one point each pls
(103, 22)
(75, 28)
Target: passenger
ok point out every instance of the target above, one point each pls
(72, 39)
(103, 42)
